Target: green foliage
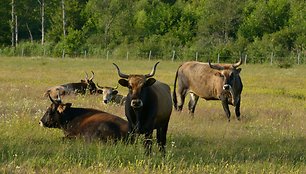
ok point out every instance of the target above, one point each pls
(228, 28)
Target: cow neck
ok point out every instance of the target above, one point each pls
(71, 113)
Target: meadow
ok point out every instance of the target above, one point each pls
(270, 138)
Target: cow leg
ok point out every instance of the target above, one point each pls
(192, 103)
(181, 95)
(162, 138)
(226, 109)
(237, 109)
(148, 143)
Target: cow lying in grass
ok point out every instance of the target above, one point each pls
(84, 122)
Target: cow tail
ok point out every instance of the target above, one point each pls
(174, 98)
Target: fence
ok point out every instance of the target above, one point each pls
(173, 55)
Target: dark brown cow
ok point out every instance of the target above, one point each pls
(110, 95)
(148, 106)
(74, 88)
(211, 82)
(84, 122)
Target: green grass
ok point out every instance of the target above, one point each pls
(271, 138)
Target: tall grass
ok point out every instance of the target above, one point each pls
(271, 138)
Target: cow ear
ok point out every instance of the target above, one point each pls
(83, 81)
(115, 92)
(150, 82)
(99, 91)
(123, 82)
(239, 70)
(62, 107)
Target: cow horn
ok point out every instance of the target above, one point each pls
(153, 71)
(53, 101)
(215, 66)
(86, 76)
(116, 87)
(99, 86)
(119, 73)
(93, 75)
(235, 65)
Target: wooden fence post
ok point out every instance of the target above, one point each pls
(218, 58)
(196, 56)
(173, 54)
(150, 55)
(271, 61)
(245, 59)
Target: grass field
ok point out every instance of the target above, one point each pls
(270, 138)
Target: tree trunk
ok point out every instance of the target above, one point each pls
(30, 33)
(64, 20)
(16, 30)
(13, 23)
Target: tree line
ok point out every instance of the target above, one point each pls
(227, 28)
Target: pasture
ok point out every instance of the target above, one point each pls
(270, 138)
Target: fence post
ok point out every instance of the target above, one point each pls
(218, 58)
(127, 55)
(107, 54)
(245, 59)
(22, 52)
(196, 56)
(63, 54)
(85, 52)
(173, 54)
(298, 58)
(150, 55)
(271, 61)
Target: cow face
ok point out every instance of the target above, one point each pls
(135, 84)
(228, 77)
(52, 117)
(108, 93)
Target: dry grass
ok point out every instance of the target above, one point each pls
(271, 137)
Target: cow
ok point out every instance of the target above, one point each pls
(110, 95)
(86, 123)
(74, 88)
(208, 81)
(148, 106)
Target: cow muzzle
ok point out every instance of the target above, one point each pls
(227, 87)
(41, 124)
(136, 103)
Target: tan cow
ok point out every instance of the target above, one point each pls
(211, 82)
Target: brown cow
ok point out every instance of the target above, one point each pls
(211, 82)
(110, 95)
(148, 106)
(74, 88)
(84, 122)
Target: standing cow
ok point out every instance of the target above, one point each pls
(110, 95)
(211, 82)
(148, 106)
(84, 122)
(74, 88)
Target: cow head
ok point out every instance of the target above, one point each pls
(228, 75)
(91, 86)
(108, 93)
(136, 84)
(53, 116)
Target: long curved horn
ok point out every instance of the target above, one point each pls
(86, 76)
(93, 75)
(119, 73)
(99, 86)
(215, 66)
(235, 65)
(153, 71)
(53, 101)
(116, 87)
